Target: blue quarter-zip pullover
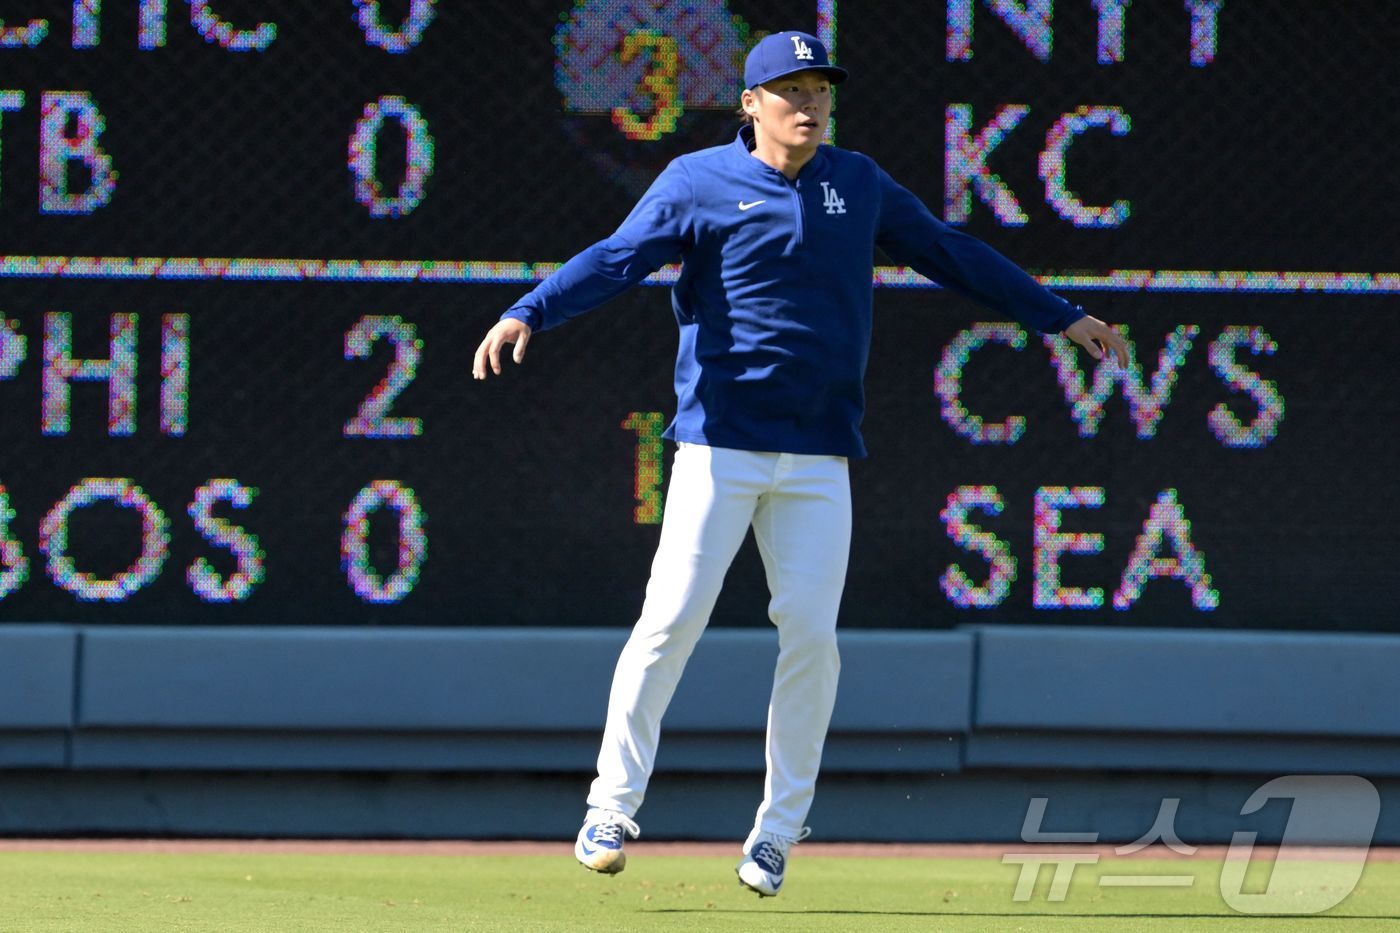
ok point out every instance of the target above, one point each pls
(774, 296)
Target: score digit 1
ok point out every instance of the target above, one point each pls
(647, 475)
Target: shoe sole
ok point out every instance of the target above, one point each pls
(611, 869)
(748, 887)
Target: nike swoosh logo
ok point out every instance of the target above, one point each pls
(744, 207)
(587, 849)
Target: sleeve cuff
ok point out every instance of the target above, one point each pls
(527, 316)
(1072, 313)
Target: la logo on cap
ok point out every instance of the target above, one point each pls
(802, 50)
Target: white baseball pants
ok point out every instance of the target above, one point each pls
(800, 509)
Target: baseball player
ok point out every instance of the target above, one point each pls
(776, 235)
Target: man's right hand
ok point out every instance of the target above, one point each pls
(506, 331)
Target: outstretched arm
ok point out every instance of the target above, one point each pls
(655, 232)
(912, 236)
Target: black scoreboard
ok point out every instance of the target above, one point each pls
(247, 250)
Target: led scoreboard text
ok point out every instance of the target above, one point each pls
(643, 69)
(72, 123)
(119, 372)
(1164, 548)
(237, 319)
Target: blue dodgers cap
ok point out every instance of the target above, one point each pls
(786, 53)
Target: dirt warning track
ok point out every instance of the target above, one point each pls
(564, 848)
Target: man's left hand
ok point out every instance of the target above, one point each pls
(1096, 337)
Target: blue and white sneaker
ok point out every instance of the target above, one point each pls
(599, 844)
(765, 860)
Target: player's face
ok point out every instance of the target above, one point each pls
(792, 111)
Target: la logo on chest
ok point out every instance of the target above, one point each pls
(834, 203)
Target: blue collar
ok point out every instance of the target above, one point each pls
(743, 147)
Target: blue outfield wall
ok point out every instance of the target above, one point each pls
(492, 732)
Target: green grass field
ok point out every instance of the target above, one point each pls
(141, 893)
